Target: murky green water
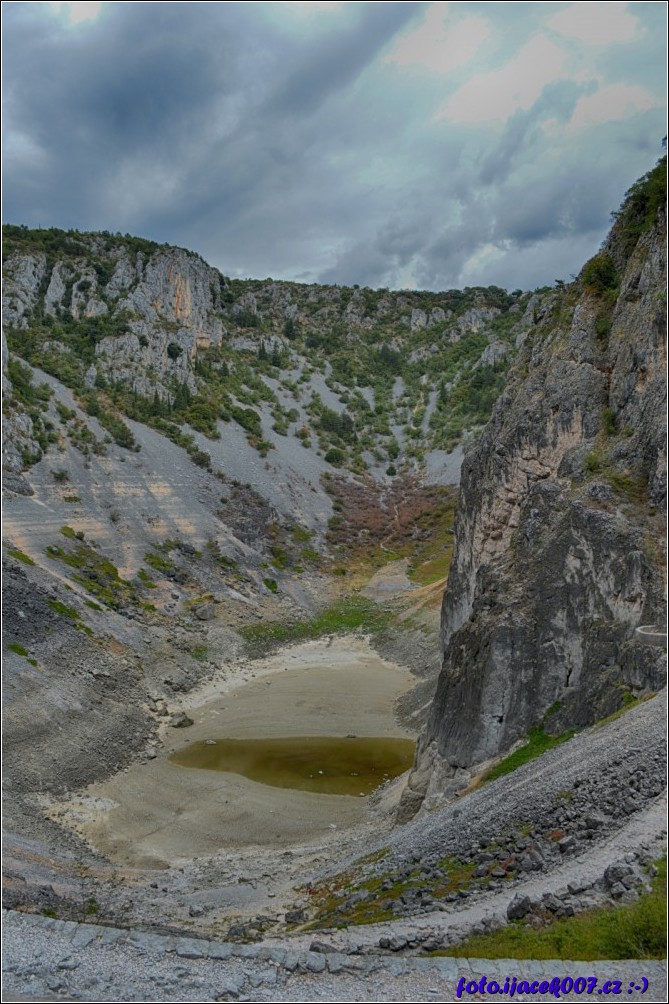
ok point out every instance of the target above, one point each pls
(330, 765)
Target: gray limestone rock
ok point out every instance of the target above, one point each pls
(519, 907)
(180, 720)
(548, 583)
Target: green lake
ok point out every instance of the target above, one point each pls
(328, 765)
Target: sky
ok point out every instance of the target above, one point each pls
(405, 145)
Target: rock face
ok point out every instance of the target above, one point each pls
(558, 555)
(159, 298)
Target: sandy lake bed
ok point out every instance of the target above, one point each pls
(157, 813)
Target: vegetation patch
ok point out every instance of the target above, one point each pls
(641, 204)
(18, 649)
(538, 742)
(352, 897)
(95, 573)
(158, 563)
(353, 613)
(64, 610)
(633, 931)
(20, 556)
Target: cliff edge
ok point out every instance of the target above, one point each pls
(559, 551)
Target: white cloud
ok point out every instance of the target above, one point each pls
(496, 95)
(482, 257)
(23, 151)
(610, 104)
(595, 23)
(77, 12)
(438, 45)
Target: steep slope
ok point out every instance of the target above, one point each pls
(559, 551)
(366, 379)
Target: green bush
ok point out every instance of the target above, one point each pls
(609, 422)
(642, 202)
(335, 456)
(599, 274)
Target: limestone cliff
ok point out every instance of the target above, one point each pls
(559, 554)
(163, 336)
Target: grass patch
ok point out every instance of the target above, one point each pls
(158, 563)
(633, 488)
(538, 742)
(199, 652)
(353, 613)
(64, 610)
(332, 898)
(629, 701)
(634, 931)
(96, 574)
(18, 649)
(20, 556)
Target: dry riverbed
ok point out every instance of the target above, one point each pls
(157, 814)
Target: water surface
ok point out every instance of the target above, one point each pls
(329, 765)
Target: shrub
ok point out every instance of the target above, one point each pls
(599, 274)
(609, 421)
(174, 350)
(335, 456)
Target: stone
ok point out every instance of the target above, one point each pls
(616, 872)
(231, 988)
(84, 935)
(191, 948)
(180, 720)
(321, 946)
(219, 950)
(315, 962)
(204, 611)
(519, 907)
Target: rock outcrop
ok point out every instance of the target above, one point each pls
(559, 554)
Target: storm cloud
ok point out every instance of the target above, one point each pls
(425, 145)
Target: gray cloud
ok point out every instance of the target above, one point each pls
(273, 148)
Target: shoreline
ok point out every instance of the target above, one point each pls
(157, 814)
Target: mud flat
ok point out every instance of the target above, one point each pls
(158, 813)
